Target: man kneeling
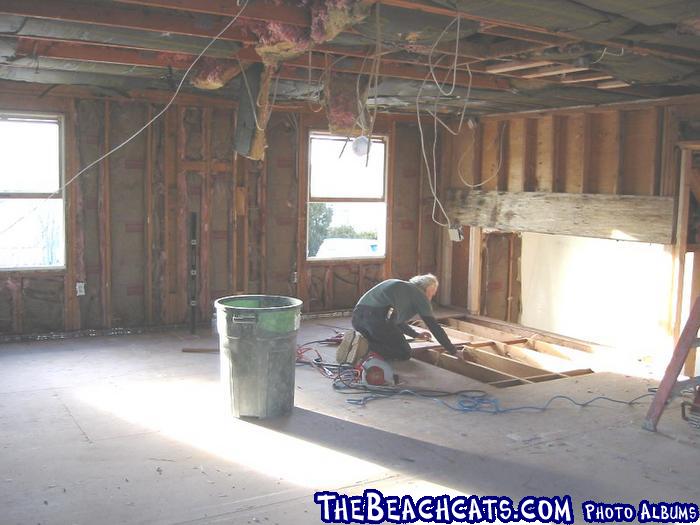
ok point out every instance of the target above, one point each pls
(382, 316)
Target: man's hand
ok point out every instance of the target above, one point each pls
(424, 336)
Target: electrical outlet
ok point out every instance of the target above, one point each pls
(79, 289)
(455, 233)
(295, 277)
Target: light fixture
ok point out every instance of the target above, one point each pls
(360, 146)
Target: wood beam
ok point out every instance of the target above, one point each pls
(91, 52)
(622, 217)
(474, 271)
(516, 65)
(259, 10)
(408, 72)
(538, 34)
(553, 71)
(466, 368)
(124, 17)
(591, 76)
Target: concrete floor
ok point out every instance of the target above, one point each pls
(131, 430)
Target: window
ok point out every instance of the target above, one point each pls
(32, 228)
(347, 198)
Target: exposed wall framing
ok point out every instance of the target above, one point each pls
(126, 235)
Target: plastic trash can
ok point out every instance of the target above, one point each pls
(257, 345)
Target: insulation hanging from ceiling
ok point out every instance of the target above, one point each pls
(345, 99)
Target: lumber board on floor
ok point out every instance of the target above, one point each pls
(533, 358)
(541, 335)
(502, 363)
(465, 368)
(489, 333)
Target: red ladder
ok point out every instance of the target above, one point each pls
(687, 340)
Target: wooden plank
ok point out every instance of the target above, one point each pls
(532, 357)
(586, 154)
(465, 368)
(183, 246)
(391, 152)
(148, 201)
(604, 152)
(681, 241)
(516, 65)
(474, 271)
(171, 277)
(554, 70)
(515, 175)
(559, 153)
(75, 231)
(639, 151)
(621, 124)
(575, 155)
(105, 226)
(502, 363)
(670, 135)
(492, 154)
(204, 270)
(582, 359)
(545, 161)
(541, 335)
(482, 331)
(644, 219)
(530, 155)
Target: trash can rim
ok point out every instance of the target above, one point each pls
(219, 305)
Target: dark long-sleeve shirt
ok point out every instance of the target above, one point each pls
(407, 301)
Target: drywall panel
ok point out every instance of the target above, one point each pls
(600, 290)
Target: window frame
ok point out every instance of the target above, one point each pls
(59, 118)
(384, 138)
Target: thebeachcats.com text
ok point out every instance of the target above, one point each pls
(374, 507)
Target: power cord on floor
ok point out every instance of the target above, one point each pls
(346, 381)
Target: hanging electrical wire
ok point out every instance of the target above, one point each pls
(498, 166)
(62, 188)
(432, 173)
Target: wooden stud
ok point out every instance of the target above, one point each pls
(530, 155)
(302, 192)
(541, 335)
(503, 364)
(516, 65)
(680, 246)
(554, 70)
(105, 229)
(475, 271)
(75, 234)
(182, 218)
(618, 186)
(205, 273)
(148, 198)
(545, 168)
(390, 166)
(515, 174)
(585, 184)
(604, 153)
(171, 276)
(466, 368)
(559, 140)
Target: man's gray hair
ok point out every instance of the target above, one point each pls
(424, 281)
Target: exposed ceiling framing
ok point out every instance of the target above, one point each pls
(506, 56)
